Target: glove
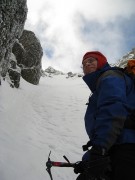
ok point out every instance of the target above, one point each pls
(98, 164)
(130, 123)
(80, 166)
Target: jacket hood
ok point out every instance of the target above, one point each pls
(91, 79)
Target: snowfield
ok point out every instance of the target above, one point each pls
(37, 119)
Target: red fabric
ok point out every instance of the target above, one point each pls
(99, 56)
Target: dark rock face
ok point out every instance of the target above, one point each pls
(28, 52)
(12, 18)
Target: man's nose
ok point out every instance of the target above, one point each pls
(87, 64)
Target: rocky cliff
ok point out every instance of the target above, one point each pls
(15, 40)
(12, 18)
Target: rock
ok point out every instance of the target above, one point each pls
(123, 61)
(70, 74)
(12, 19)
(50, 70)
(28, 52)
(80, 75)
(14, 73)
(43, 74)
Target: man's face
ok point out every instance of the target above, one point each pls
(89, 65)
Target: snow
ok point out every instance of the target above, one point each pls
(37, 119)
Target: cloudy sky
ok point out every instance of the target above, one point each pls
(69, 28)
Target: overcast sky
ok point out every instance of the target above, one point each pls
(69, 28)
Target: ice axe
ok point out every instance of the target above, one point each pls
(50, 164)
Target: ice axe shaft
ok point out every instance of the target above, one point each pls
(59, 164)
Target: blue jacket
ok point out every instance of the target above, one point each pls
(112, 100)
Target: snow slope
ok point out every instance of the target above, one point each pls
(37, 119)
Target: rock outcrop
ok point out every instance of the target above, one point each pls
(28, 52)
(123, 61)
(51, 70)
(13, 14)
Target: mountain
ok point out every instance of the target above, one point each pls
(50, 71)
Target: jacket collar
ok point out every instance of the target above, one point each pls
(91, 79)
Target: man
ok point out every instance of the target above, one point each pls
(109, 109)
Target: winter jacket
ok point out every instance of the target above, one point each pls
(111, 102)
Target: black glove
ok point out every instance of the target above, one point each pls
(98, 164)
(130, 123)
(80, 166)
